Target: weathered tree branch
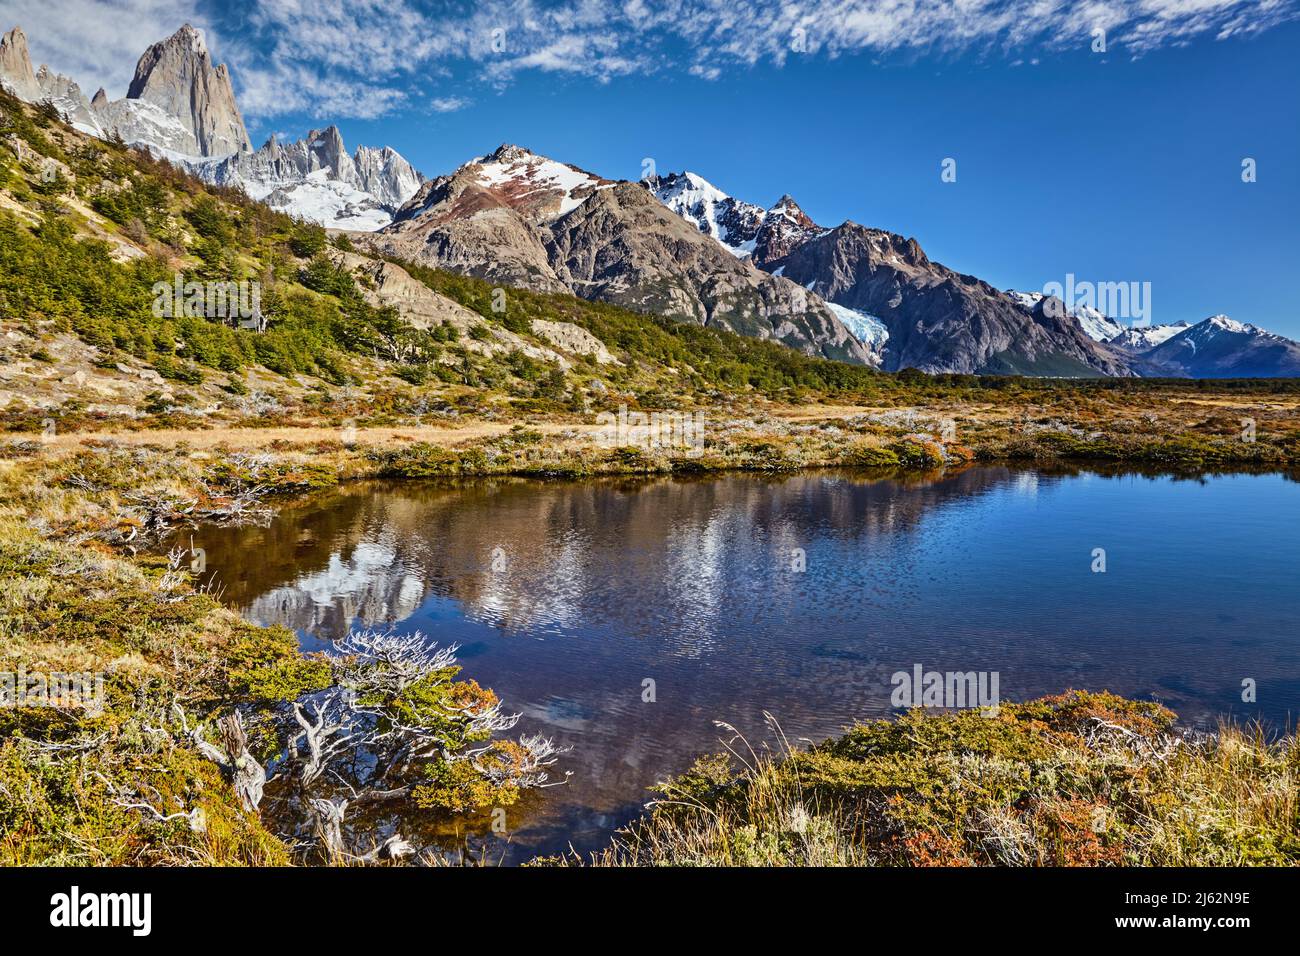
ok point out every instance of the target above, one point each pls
(247, 775)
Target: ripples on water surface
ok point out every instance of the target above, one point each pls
(689, 583)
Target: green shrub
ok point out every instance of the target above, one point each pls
(869, 456)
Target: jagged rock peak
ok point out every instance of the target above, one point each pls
(508, 152)
(787, 207)
(327, 145)
(44, 85)
(316, 178)
(16, 66)
(732, 222)
(177, 75)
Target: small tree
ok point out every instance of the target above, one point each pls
(394, 731)
(307, 240)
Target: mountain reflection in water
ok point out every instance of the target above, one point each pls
(602, 585)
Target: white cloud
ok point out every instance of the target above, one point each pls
(278, 87)
(603, 38)
(448, 104)
(97, 42)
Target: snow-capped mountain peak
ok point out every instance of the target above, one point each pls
(1223, 323)
(1215, 328)
(785, 227)
(730, 221)
(549, 187)
(787, 208)
(1095, 324)
(743, 228)
(1220, 347)
(1140, 338)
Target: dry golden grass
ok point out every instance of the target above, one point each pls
(257, 439)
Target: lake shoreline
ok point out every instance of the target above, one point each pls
(89, 509)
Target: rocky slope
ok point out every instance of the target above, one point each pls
(940, 320)
(316, 178)
(523, 219)
(624, 247)
(459, 222)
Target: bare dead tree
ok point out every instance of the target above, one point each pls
(368, 740)
(399, 660)
(247, 775)
(394, 848)
(327, 735)
(329, 825)
(196, 818)
(538, 753)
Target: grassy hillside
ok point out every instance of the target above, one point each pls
(87, 228)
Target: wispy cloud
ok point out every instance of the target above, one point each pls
(97, 42)
(331, 58)
(278, 87)
(495, 41)
(448, 104)
(363, 58)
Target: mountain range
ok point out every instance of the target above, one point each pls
(521, 219)
(1217, 347)
(316, 179)
(181, 106)
(914, 312)
(673, 244)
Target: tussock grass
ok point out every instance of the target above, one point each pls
(1075, 780)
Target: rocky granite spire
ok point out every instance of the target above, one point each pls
(43, 85)
(16, 66)
(177, 76)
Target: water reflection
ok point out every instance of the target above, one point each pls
(600, 586)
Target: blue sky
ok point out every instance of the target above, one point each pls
(1116, 166)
